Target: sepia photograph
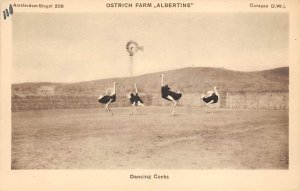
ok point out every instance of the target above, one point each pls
(140, 90)
(149, 95)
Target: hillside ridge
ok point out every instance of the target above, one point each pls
(190, 79)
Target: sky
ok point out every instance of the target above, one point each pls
(72, 47)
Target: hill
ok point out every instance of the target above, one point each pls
(189, 80)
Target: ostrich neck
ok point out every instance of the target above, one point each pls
(114, 89)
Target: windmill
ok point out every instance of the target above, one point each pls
(132, 48)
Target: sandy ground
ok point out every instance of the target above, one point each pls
(193, 139)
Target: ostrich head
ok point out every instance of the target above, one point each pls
(116, 83)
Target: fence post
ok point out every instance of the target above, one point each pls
(257, 100)
(227, 100)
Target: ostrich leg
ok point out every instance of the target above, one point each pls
(173, 107)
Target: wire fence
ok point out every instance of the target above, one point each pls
(267, 100)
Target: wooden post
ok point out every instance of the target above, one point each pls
(257, 100)
(227, 100)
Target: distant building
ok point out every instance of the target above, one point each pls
(45, 90)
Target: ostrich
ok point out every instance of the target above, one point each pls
(107, 99)
(135, 100)
(211, 99)
(169, 95)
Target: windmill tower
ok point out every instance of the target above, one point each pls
(132, 48)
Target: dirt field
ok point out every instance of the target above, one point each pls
(193, 139)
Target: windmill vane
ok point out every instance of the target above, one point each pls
(132, 47)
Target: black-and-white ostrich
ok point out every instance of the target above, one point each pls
(135, 99)
(169, 95)
(212, 98)
(109, 98)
